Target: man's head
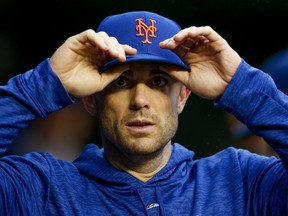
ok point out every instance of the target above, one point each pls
(138, 112)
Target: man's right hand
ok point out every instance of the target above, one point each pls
(77, 61)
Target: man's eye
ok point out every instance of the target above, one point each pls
(158, 81)
(120, 82)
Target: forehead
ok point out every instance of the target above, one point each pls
(146, 68)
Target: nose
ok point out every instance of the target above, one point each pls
(139, 97)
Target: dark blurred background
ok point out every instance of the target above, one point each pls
(30, 31)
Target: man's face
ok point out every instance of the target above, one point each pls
(138, 112)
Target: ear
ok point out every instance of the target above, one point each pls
(89, 104)
(183, 96)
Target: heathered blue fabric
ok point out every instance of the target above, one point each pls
(231, 182)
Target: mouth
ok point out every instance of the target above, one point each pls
(140, 126)
(139, 123)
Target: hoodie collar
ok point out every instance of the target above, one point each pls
(92, 163)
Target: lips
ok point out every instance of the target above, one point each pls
(140, 126)
(139, 123)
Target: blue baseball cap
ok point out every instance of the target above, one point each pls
(143, 31)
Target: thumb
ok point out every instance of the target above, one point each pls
(176, 73)
(112, 74)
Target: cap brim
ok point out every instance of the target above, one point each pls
(144, 58)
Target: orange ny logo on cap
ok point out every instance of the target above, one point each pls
(145, 30)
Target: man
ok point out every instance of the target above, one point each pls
(135, 74)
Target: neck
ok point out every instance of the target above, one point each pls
(142, 167)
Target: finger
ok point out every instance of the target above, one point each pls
(91, 37)
(183, 48)
(129, 50)
(104, 43)
(112, 74)
(188, 43)
(176, 73)
(197, 34)
(115, 49)
(190, 37)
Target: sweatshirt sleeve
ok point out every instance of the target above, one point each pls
(38, 92)
(254, 99)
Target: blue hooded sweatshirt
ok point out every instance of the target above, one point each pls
(231, 182)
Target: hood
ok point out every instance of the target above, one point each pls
(93, 164)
